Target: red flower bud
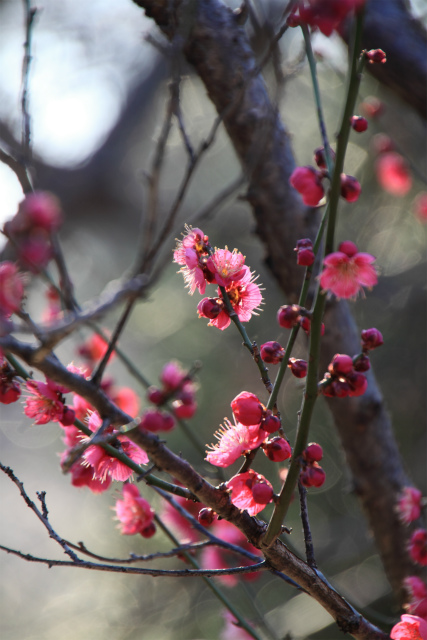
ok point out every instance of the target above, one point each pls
(313, 452)
(68, 417)
(358, 384)
(277, 449)
(209, 308)
(350, 188)
(359, 123)
(288, 315)
(155, 396)
(272, 352)
(10, 391)
(313, 476)
(372, 107)
(154, 420)
(376, 55)
(305, 257)
(320, 157)
(247, 409)
(206, 516)
(307, 181)
(262, 492)
(362, 363)
(271, 424)
(149, 531)
(341, 364)
(298, 367)
(371, 339)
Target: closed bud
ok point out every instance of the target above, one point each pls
(209, 308)
(305, 257)
(206, 517)
(298, 367)
(361, 363)
(247, 408)
(277, 449)
(371, 339)
(68, 417)
(358, 384)
(341, 365)
(359, 123)
(155, 396)
(262, 493)
(271, 424)
(350, 188)
(149, 531)
(272, 352)
(313, 476)
(376, 56)
(288, 315)
(313, 452)
(320, 157)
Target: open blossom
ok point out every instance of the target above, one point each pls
(213, 557)
(190, 252)
(242, 491)
(409, 628)
(105, 465)
(233, 441)
(409, 505)
(45, 403)
(226, 266)
(245, 298)
(347, 271)
(417, 592)
(134, 513)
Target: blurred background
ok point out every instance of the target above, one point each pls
(98, 95)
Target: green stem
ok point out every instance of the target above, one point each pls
(311, 391)
(212, 586)
(317, 99)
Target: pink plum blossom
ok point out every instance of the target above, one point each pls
(417, 592)
(104, 464)
(245, 298)
(45, 402)
(409, 628)
(226, 266)
(134, 512)
(233, 441)
(242, 496)
(409, 505)
(346, 271)
(190, 253)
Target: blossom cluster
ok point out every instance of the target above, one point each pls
(201, 265)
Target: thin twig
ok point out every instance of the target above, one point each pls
(308, 540)
(30, 14)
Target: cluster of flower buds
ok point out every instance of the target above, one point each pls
(312, 474)
(343, 377)
(376, 56)
(10, 391)
(178, 387)
(201, 265)
(305, 253)
(308, 182)
(38, 217)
